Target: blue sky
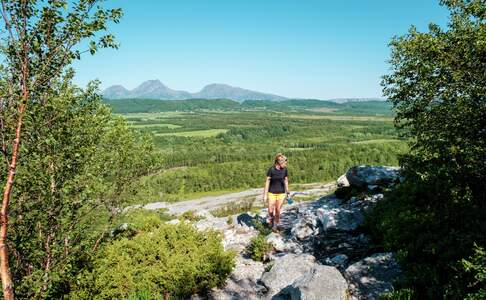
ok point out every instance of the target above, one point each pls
(295, 48)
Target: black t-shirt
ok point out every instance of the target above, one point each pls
(277, 183)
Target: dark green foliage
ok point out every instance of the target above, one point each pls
(379, 108)
(438, 88)
(76, 169)
(190, 215)
(476, 265)
(124, 106)
(402, 294)
(147, 105)
(178, 261)
(259, 248)
(144, 295)
(262, 227)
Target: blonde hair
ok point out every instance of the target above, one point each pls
(279, 157)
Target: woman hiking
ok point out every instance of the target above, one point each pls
(276, 189)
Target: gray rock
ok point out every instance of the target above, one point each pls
(238, 238)
(362, 238)
(212, 223)
(338, 260)
(285, 270)
(243, 281)
(362, 176)
(340, 219)
(332, 202)
(276, 241)
(320, 283)
(304, 227)
(374, 188)
(302, 232)
(342, 181)
(205, 214)
(373, 276)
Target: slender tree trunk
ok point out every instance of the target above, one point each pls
(4, 268)
(5, 275)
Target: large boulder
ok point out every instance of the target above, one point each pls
(340, 219)
(337, 260)
(320, 283)
(238, 237)
(212, 223)
(243, 281)
(342, 181)
(304, 227)
(373, 276)
(364, 176)
(276, 241)
(285, 270)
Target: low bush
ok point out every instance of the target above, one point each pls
(262, 227)
(234, 208)
(190, 215)
(259, 248)
(173, 260)
(401, 294)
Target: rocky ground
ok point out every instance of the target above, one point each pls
(321, 251)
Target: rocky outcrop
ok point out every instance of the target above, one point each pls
(373, 276)
(243, 282)
(340, 219)
(285, 270)
(320, 283)
(277, 241)
(372, 176)
(321, 251)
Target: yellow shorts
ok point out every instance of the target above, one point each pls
(276, 197)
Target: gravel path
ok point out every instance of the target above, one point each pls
(213, 202)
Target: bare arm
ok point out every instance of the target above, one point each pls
(265, 190)
(286, 181)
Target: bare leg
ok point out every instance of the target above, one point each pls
(271, 212)
(278, 208)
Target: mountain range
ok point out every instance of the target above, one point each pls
(155, 89)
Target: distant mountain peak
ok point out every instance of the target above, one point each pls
(155, 89)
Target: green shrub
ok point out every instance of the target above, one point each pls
(176, 260)
(433, 219)
(259, 248)
(190, 215)
(431, 228)
(402, 294)
(477, 265)
(234, 208)
(262, 227)
(144, 295)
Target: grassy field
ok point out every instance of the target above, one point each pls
(194, 133)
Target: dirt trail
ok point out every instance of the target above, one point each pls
(214, 202)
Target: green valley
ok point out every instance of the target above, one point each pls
(210, 146)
